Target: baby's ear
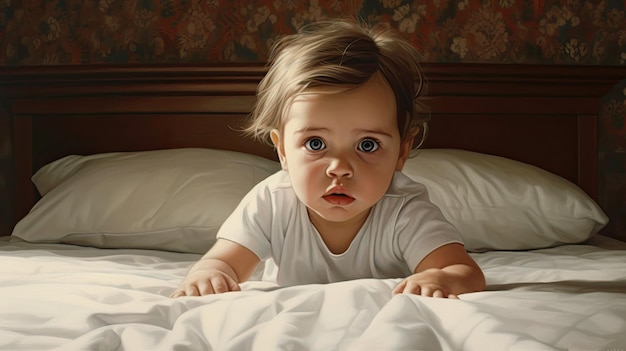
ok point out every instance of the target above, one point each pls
(405, 148)
(405, 151)
(280, 147)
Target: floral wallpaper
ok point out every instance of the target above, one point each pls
(52, 32)
(579, 32)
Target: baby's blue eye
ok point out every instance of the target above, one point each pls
(368, 145)
(314, 144)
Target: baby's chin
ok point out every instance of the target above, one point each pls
(339, 214)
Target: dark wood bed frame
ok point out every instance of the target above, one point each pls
(543, 115)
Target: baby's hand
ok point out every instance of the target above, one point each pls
(431, 282)
(208, 276)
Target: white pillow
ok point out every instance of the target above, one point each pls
(177, 199)
(502, 204)
(172, 200)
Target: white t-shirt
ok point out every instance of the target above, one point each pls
(401, 229)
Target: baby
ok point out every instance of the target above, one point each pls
(339, 103)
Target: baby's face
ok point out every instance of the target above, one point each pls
(341, 150)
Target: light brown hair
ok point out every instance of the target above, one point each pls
(340, 55)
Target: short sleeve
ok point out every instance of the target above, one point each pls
(421, 228)
(250, 223)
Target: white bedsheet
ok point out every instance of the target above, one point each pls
(71, 298)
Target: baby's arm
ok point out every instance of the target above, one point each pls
(220, 270)
(446, 272)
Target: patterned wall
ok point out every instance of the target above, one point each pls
(52, 32)
(580, 32)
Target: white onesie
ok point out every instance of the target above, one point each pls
(401, 229)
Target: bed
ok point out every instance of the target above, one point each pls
(114, 180)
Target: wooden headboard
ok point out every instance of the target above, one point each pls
(542, 115)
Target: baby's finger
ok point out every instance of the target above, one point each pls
(177, 293)
(453, 296)
(205, 288)
(191, 290)
(233, 286)
(412, 288)
(426, 291)
(220, 285)
(399, 288)
(438, 293)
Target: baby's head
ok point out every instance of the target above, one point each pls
(339, 103)
(339, 56)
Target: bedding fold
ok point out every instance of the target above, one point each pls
(63, 297)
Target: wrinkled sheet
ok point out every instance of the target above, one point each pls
(62, 297)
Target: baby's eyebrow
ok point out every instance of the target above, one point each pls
(381, 132)
(310, 129)
(376, 131)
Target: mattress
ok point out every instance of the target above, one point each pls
(66, 297)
